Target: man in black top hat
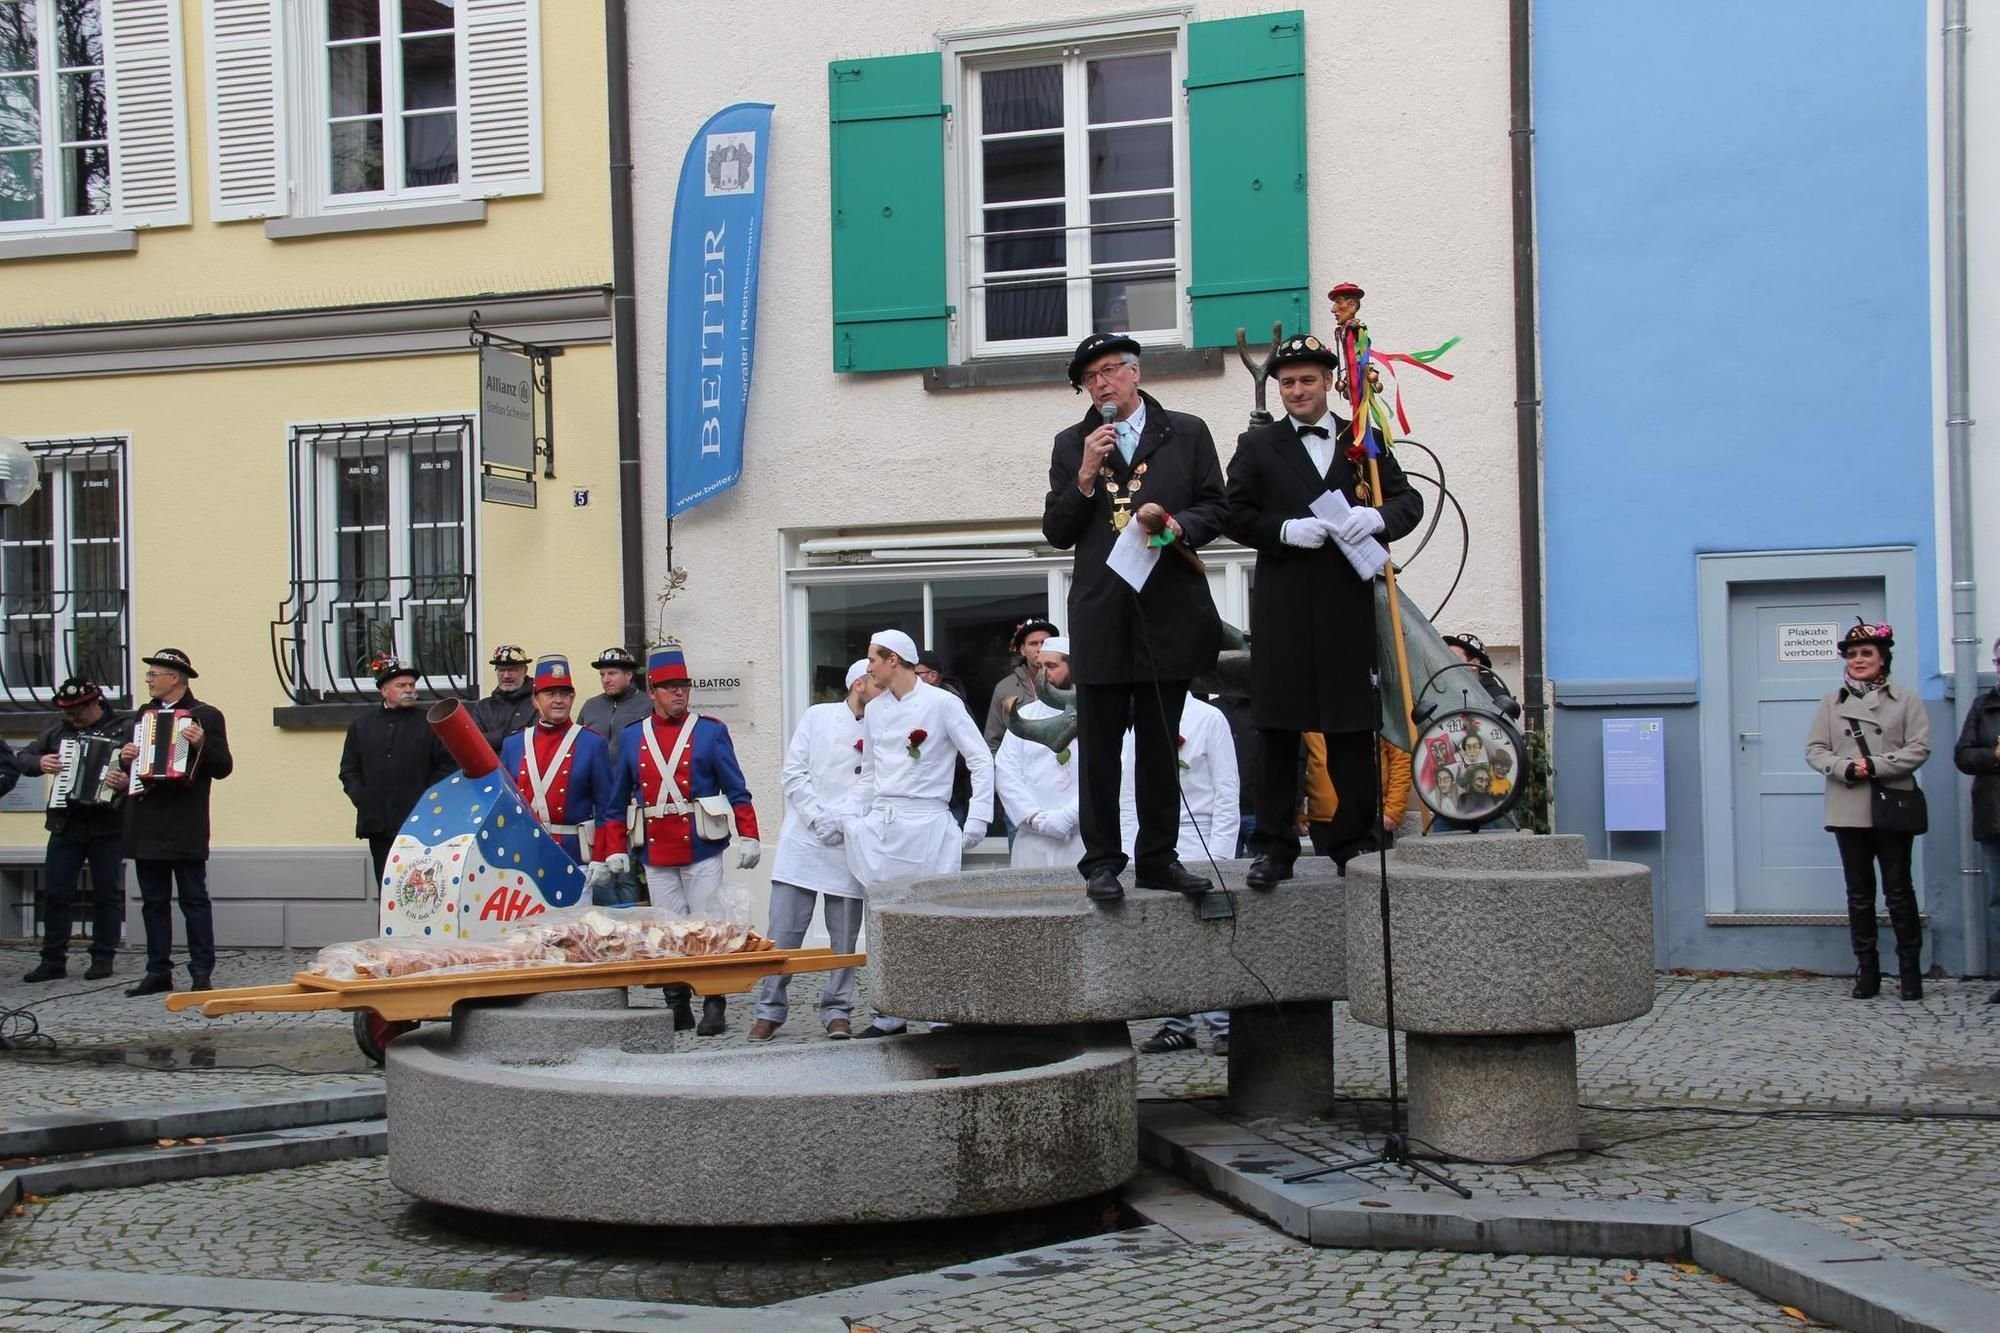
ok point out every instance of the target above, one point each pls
(1312, 617)
(166, 828)
(511, 706)
(622, 702)
(390, 758)
(80, 834)
(1132, 654)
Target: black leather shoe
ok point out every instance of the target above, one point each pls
(47, 972)
(200, 982)
(153, 983)
(681, 1003)
(1867, 982)
(1103, 887)
(100, 968)
(1175, 878)
(714, 1017)
(1267, 872)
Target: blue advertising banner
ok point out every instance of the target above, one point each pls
(712, 302)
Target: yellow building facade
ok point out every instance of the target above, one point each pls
(235, 328)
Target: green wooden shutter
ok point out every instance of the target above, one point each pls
(1246, 98)
(889, 310)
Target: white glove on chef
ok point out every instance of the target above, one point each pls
(1053, 823)
(1361, 522)
(1306, 533)
(748, 852)
(827, 829)
(618, 863)
(975, 833)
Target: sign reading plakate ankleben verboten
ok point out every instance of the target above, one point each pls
(712, 302)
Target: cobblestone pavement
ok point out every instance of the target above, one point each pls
(1927, 1189)
(344, 1222)
(86, 1317)
(1268, 1288)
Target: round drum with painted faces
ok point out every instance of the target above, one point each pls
(1469, 765)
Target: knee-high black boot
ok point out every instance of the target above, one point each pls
(1862, 932)
(1909, 949)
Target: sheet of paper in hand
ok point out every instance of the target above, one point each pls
(1131, 558)
(1367, 555)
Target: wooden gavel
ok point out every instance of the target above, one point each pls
(1153, 519)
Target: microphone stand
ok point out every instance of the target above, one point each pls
(1395, 1149)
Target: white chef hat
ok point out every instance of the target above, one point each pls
(897, 642)
(1056, 643)
(856, 672)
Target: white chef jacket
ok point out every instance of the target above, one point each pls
(1033, 779)
(905, 826)
(1209, 786)
(821, 771)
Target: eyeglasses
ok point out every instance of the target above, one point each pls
(160, 675)
(1099, 376)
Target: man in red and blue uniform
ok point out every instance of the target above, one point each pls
(683, 869)
(561, 768)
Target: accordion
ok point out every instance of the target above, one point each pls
(79, 783)
(163, 748)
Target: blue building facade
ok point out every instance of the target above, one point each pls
(1734, 214)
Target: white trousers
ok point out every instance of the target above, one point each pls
(691, 890)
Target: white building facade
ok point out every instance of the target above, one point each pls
(950, 209)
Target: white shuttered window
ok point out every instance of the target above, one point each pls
(92, 116)
(336, 106)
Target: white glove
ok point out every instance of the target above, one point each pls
(827, 829)
(975, 833)
(1306, 533)
(1065, 822)
(1361, 522)
(618, 863)
(748, 852)
(597, 875)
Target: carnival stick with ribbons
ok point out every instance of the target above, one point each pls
(1370, 432)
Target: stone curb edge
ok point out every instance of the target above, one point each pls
(1780, 1258)
(125, 1168)
(372, 1304)
(55, 1135)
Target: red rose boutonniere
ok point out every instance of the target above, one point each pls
(857, 746)
(1179, 743)
(917, 739)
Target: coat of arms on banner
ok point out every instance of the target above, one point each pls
(732, 164)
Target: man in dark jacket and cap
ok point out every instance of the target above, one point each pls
(390, 758)
(1132, 653)
(622, 702)
(511, 706)
(82, 831)
(166, 827)
(1312, 616)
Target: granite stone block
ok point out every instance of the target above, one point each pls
(1026, 947)
(1494, 1099)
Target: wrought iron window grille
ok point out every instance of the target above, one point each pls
(65, 575)
(384, 535)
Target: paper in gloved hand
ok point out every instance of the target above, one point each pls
(1368, 556)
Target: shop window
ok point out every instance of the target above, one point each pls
(64, 610)
(382, 544)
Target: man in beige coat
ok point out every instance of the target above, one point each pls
(1868, 732)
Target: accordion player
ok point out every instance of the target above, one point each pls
(86, 761)
(164, 754)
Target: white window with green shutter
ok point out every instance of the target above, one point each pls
(1029, 185)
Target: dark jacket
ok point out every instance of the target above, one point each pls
(168, 821)
(608, 716)
(391, 756)
(1170, 631)
(1974, 755)
(82, 821)
(1312, 618)
(502, 713)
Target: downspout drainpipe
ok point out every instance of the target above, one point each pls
(1958, 452)
(625, 326)
(1527, 391)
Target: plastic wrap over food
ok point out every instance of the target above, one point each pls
(628, 934)
(381, 959)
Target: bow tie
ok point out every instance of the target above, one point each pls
(1313, 430)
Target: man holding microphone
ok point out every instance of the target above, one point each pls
(1132, 653)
